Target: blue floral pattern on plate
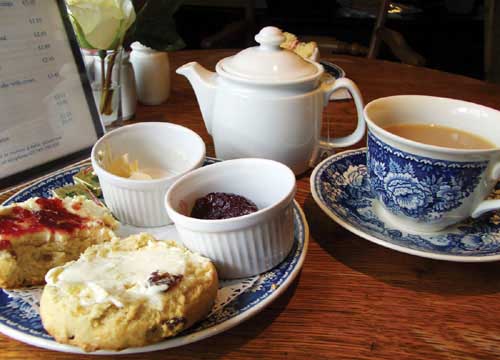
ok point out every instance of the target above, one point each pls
(341, 188)
(334, 70)
(19, 319)
(417, 186)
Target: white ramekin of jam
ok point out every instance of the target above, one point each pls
(243, 245)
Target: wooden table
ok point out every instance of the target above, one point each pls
(353, 299)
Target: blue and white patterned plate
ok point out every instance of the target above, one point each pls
(340, 187)
(333, 72)
(333, 69)
(20, 320)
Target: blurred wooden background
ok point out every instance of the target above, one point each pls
(457, 36)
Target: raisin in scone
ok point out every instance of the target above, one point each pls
(127, 293)
(40, 233)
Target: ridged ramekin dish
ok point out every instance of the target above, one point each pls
(172, 148)
(246, 245)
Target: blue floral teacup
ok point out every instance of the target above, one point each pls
(425, 188)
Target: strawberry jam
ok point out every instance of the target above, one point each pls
(5, 244)
(52, 216)
(220, 205)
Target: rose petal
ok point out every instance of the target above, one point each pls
(103, 36)
(103, 22)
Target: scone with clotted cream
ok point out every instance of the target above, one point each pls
(127, 293)
(40, 233)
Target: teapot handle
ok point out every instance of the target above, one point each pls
(354, 137)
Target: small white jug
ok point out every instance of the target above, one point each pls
(152, 74)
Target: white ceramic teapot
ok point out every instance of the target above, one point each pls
(267, 102)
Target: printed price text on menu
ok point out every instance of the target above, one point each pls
(43, 110)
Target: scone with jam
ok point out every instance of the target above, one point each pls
(307, 50)
(127, 293)
(39, 234)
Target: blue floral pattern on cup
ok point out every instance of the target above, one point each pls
(343, 188)
(416, 186)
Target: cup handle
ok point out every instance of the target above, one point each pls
(488, 205)
(354, 137)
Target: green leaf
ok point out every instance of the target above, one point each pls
(155, 26)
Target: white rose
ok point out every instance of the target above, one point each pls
(101, 24)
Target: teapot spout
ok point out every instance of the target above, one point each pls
(203, 83)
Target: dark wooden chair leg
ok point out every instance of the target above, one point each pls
(234, 30)
(492, 41)
(393, 39)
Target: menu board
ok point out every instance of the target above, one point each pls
(47, 113)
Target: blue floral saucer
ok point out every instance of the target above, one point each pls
(340, 187)
(239, 299)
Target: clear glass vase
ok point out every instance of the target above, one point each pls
(104, 72)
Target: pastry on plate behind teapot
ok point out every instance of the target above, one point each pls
(267, 102)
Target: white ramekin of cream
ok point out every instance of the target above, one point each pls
(136, 164)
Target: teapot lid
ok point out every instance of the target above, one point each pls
(269, 62)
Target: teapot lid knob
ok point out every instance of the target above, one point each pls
(269, 63)
(270, 38)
